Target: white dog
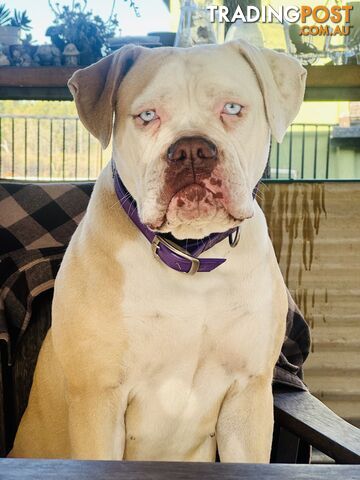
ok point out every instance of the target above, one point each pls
(143, 362)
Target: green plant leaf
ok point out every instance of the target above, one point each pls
(4, 14)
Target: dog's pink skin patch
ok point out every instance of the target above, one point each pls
(201, 198)
(215, 181)
(218, 186)
(192, 202)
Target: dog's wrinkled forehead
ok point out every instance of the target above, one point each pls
(189, 74)
(116, 81)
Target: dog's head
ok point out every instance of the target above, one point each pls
(192, 127)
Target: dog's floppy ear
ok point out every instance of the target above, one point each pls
(282, 81)
(94, 90)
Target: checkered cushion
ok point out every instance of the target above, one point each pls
(36, 224)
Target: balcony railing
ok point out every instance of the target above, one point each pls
(305, 153)
(44, 148)
(47, 148)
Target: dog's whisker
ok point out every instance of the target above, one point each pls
(129, 208)
(125, 196)
(259, 194)
(112, 206)
(264, 185)
(133, 207)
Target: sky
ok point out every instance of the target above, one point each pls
(154, 15)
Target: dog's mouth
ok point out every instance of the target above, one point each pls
(191, 203)
(194, 200)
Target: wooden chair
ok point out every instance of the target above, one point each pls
(301, 421)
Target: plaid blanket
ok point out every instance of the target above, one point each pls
(36, 224)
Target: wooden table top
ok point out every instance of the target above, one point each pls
(18, 469)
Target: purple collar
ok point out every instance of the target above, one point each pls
(180, 255)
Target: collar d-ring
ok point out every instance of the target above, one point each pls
(234, 237)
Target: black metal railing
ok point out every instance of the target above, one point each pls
(44, 148)
(50, 148)
(305, 153)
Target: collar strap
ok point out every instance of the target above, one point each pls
(181, 256)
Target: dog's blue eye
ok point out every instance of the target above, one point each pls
(232, 108)
(148, 115)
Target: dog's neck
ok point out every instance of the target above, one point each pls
(180, 255)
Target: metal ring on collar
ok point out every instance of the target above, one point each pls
(234, 237)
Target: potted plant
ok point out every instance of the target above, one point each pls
(80, 27)
(11, 26)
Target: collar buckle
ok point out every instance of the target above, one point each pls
(155, 245)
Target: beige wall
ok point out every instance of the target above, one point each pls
(315, 230)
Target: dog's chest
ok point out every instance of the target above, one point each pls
(222, 318)
(188, 332)
(187, 344)
(195, 324)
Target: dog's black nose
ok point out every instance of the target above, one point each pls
(196, 149)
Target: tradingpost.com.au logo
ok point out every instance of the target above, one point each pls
(312, 19)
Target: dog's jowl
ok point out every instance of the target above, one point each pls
(164, 337)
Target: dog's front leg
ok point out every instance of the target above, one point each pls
(96, 423)
(245, 424)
